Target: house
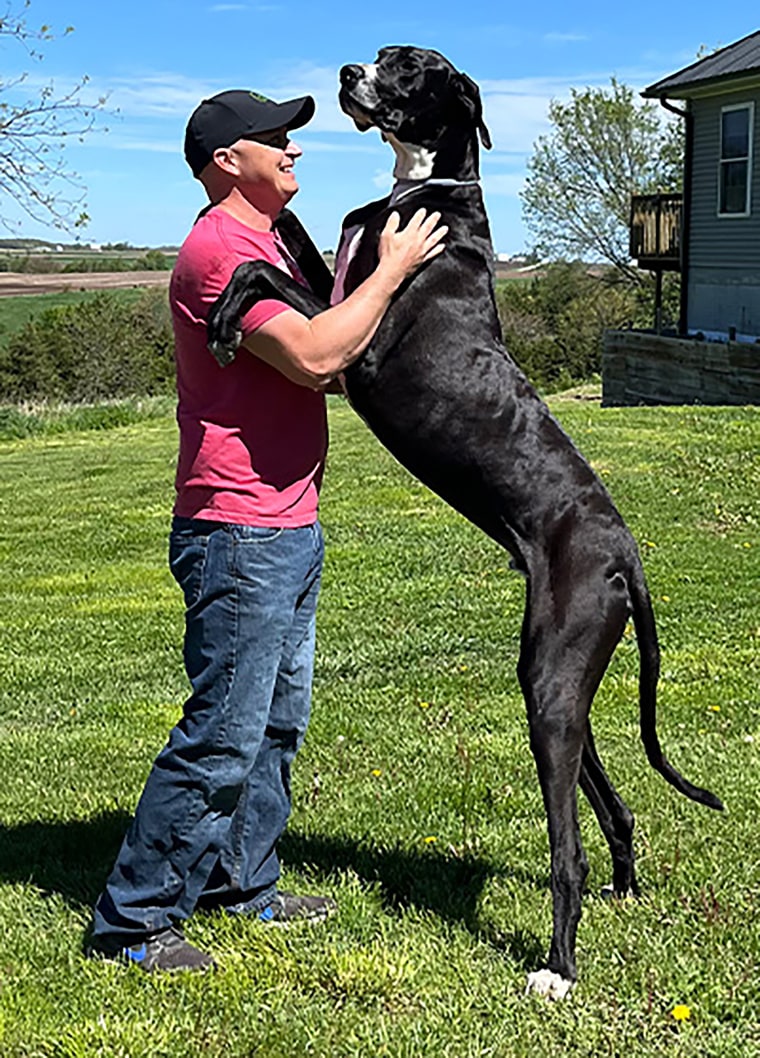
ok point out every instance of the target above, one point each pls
(716, 356)
(721, 219)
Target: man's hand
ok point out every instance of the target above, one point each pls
(402, 252)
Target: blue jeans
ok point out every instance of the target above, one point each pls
(218, 796)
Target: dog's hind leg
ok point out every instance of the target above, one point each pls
(614, 816)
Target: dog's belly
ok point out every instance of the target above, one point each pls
(468, 424)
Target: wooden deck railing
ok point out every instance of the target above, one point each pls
(655, 240)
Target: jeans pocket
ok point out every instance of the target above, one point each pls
(255, 534)
(187, 559)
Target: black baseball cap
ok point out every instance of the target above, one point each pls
(231, 116)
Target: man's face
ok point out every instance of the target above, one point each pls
(264, 167)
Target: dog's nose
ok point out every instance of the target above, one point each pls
(349, 75)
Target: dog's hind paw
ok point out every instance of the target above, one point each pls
(224, 352)
(548, 984)
(608, 892)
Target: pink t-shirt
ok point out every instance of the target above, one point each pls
(252, 443)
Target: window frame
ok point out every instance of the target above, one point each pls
(749, 106)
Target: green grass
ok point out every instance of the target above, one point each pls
(415, 797)
(16, 312)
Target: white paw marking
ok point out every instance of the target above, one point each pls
(548, 984)
(608, 893)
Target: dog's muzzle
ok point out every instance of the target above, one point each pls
(358, 95)
(351, 75)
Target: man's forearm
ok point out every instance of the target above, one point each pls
(313, 351)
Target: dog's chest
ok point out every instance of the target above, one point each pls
(349, 244)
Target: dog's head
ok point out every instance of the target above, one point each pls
(414, 95)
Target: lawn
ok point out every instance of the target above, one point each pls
(415, 800)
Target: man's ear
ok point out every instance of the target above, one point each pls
(225, 159)
(469, 96)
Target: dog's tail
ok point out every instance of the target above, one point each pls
(649, 653)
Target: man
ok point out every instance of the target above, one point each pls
(246, 547)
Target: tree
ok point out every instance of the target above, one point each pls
(604, 147)
(34, 132)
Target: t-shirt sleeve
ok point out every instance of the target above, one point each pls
(262, 312)
(208, 267)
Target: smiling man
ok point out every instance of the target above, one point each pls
(245, 547)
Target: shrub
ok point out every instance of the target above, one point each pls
(553, 325)
(95, 350)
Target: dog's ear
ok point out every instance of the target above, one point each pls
(469, 95)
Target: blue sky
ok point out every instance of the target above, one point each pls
(157, 60)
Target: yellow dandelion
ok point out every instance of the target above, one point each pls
(681, 1012)
(377, 772)
(666, 598)
(714, 708)
(649, 543)
(424, 705)
(431, 839)
(463, 668)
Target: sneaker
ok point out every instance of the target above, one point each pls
(165, 951)
(286, 908)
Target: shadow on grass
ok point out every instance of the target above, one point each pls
(73, 859)
(447, 885)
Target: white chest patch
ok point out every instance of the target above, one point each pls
(346, 253)
(412, 162)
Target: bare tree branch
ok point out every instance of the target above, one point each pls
(34, 134)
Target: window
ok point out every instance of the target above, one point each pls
(735, 160)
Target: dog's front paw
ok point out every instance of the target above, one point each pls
(224, 348)
(548, 984)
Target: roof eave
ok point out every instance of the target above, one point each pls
(708, 87)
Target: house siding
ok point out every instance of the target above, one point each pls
(724, 257)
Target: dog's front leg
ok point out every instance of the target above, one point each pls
(557, 754)
(557, 716)
(252, 281)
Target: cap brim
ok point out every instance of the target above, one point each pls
(296, 112)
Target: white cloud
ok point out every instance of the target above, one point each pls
(117, 143)
(565, 38)
(164, 94)
(336, 146)
(260, 9)
(506, 184)
(147, 110)
(516, 110)
(383, 179)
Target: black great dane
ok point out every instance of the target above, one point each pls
(439, 390)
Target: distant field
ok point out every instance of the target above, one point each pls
(16, 312)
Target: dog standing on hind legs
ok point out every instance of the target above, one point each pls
(439, 390)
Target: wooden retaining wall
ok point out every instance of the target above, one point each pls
(645, 368)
